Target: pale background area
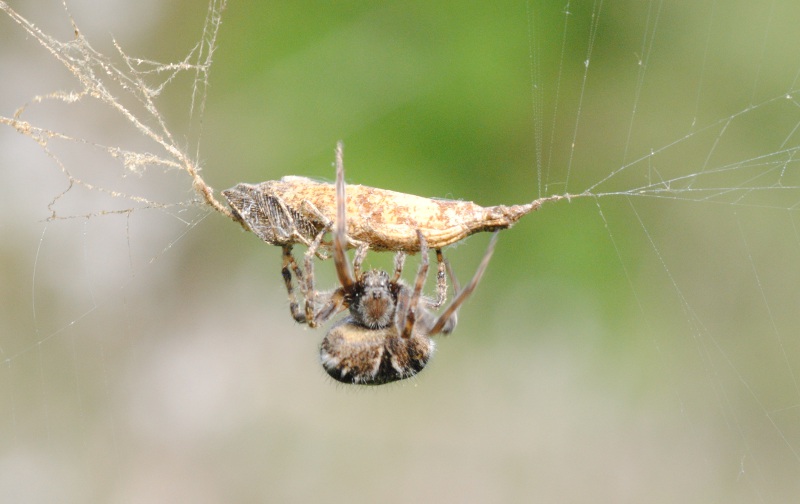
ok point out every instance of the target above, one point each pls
(621, 349)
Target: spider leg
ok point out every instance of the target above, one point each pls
(337, 303)
(399, 262)
(310, 291)
(441, 323)
(441, 280)
(289, 262)
(411, 315)
(456, 285)
(450, 325)
(361, 254)
(340, 236)
(430, 317)
(402, 292)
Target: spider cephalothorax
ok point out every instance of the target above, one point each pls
(373, 301)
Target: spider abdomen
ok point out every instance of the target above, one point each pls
(351, 353)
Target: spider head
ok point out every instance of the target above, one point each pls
(373, 302)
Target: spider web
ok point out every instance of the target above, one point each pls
(640, 339)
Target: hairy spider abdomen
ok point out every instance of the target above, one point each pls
(351, 353)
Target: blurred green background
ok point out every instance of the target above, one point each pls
(627, 348)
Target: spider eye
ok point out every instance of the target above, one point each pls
(353, 298)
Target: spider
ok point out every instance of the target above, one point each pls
(386, 336)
